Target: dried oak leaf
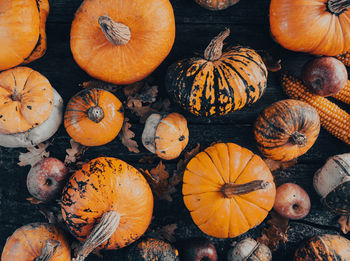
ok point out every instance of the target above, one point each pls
(74, 153)
(271, 63)
(100, 85)
(279, 165)
(133, 89)
(126, 136)
(165, 233)
(344, 222)
(276, 232)
(34, 154)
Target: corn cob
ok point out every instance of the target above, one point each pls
(344, 58)
(344, 94)
(335, 120)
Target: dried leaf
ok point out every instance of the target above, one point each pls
(279, 165)
(51, 216)
(271, 63)
(34, 201)
(215, 142)
(133, 89)
(75, 152)
(126, 136)
(150, 159)
(100, 85)
(276, 232)
(34, 154)
(165, 233)
(344, 222)
(163, 105)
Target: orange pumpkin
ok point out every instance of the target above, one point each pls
(37, 241)
(313, 26)
(107, 203)
(93, 117)
(165, 135)
(215, 5)
(228, 190)
(22, 31)
(122, 41)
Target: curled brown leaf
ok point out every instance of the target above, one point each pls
(34, 154)
(126, 136)
(279, 165)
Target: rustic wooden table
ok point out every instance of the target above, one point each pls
(195, 26)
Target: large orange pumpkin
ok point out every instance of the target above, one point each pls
(228, 190)
(22, 30)
(122, 41)
(314, 26)
(107, 202)
(37, 241)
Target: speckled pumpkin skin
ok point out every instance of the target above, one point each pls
(107, 184)
(324, 248)
(214, 88)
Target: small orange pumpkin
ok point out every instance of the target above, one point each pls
(107, 203)
(165, 135)
(228, 190)
(37, 241)
(122, 41)
(23, 37)
(216, 5)
(93, 117)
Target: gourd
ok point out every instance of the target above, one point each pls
(286, 129)
(311, 26)
(30, 108)
(250, 250)
(23, 37)
(166, 135)
(219, 83)
(107, 203)
(122, 41)
(216, 5)
(93, 117)
(37, 241)
(228, 190)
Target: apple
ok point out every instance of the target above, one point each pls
(46, 179)
(198, 249)
(292, 201)
(324, 76)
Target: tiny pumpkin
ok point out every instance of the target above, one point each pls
(93, 117)
(219, 83)
(228, 190)
(165, 135)
(286, 129)
(216, 5)
(37, 241)
(126, 45)
(107, 203)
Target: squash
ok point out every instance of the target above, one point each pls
(324, 247)
(286, 129)
(165, 135)
(216, 5)
(249, 249)
(30, 109)
(313, 26)
(23, 37)
(93, 117)
(37, 241)
(228, 190)
(107, 203)
(122, 41)
(219, 83)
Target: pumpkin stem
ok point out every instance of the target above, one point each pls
(116, 33)
(298, 139)
(214, 50)
(231, 189)
(338, 6)
(96, 114)
(48, 250)
(102, 232)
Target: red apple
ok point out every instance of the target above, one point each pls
(324, 76)
(46, 179)
(198, 249)
(292, 201)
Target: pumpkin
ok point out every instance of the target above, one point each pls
(314, 26)
(216, 5)
(30, 109)
(37, 241)
(122, 41)
(219, 83)
(107, 203)
(324, 247)
(165, 135)
(93, 117)
(228, 190)
(250, 250)
(23, 37)
(286, 129)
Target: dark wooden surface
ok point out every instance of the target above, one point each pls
(195, 27)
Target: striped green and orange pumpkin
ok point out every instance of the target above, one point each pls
(219, 83)
(286, 129)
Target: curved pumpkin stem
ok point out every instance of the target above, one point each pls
(48, 250)
(116, 33)
(96, 114)
(338, 6)
(214, 50)
(101, 233)
(298, 138)
(231, 189)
